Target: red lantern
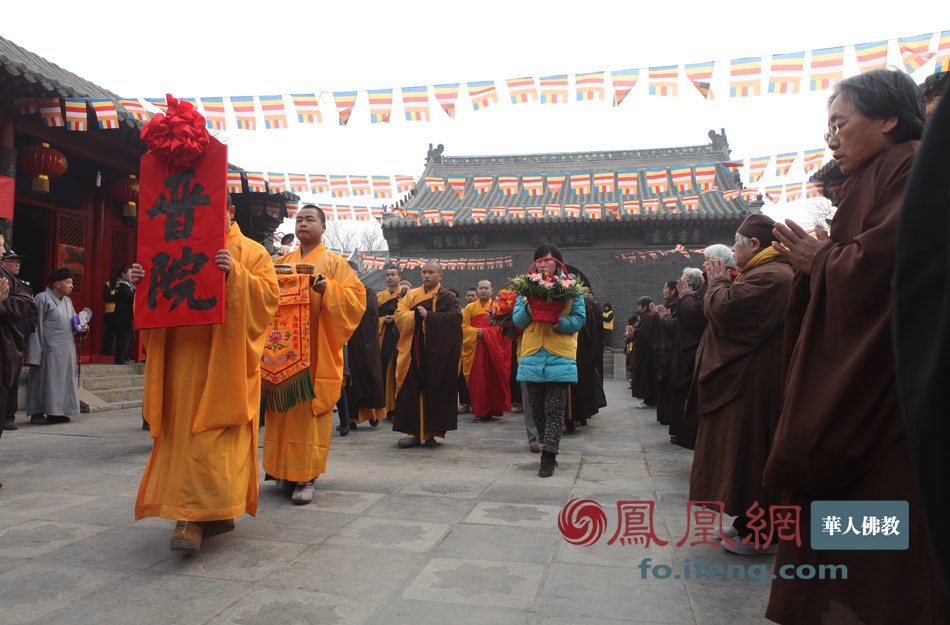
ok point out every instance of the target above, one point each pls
(126, 190)
(42, 162)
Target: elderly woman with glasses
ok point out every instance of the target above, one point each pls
(841, 435)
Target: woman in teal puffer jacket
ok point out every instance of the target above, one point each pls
(548, 362)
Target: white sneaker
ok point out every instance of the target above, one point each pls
(730, 532)
(303, 493)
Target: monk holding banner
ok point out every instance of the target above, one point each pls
(388, 300)
(202, 381)
(299, 421)
(486, 359)
(430, 345)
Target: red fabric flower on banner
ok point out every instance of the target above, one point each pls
(179, 136)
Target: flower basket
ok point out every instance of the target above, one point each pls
(544, 311)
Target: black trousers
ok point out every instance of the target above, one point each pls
(11, 405)
(123, 341)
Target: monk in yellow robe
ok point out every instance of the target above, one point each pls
(297, 442)
(486, 358)
(202, 402)
(388, 300)
(430, 344)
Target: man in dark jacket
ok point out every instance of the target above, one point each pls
(25, 326)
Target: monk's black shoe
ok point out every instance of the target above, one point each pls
(409, 441)
(56, 418)
(548, 462)
(38, 419)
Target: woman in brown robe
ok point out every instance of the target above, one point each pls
(841, 435)
(737, 387)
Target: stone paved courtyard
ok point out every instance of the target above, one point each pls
(465, 533)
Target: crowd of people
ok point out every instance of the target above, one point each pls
(775, 363)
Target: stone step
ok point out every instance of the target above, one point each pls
(112, 370)
(122, 394)
(100, 382)
(119, 405)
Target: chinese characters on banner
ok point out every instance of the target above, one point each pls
(182, 225)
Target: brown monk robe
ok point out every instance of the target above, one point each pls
(365, 395)
(430, 347)
(690, 326)
(841, 434)
(388, 300)
(737, 387)
(663, 351)
(644, 371)
(587, 396)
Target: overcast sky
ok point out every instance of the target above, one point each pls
(278, 47)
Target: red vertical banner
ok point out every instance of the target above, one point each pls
(7, 193)
(181, 226)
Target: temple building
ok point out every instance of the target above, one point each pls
(619, 217)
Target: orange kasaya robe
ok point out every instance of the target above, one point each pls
(297, 442)
(202, 399)
(486, 362)
(388, 336)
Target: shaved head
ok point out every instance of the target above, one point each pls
(434, 263)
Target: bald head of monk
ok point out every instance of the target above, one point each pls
(431, 274)
(310, 225)
(484, 291)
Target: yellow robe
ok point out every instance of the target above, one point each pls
(297, 442)
(470, 335)
(389, 369)
(202, 400)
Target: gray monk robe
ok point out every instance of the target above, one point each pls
(53, 380)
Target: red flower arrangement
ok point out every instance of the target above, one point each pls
(179, 136)
(502, 308)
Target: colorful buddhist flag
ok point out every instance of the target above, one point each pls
(612, 208)
(432, 215)
(415, 102)
(273, 108)
(679, 246)
(106, 115)
(435, 183)
(580, 184)
(682, 178)
(623, 81)
(786, 73)
(448, 215)
(691, 202)
(457, 183)
(498, 211)
(536, 212)
(135, 109)
(814, 188)
(631, 207)
(627, 182)
(516, 212)
(943, 53)
(339, 186)
(533, 185)
(359, 185)
(522, 90)
(604, 182)
(593, 211)
(508, 185)
(827, 68)
(446, 96)
(214, 113)
(380, 105)
(479, 214)
(234, 182)
(672, 204)
(572, 210)
(318, 183)
(378, 212)
(663, 80)
(750, 195)
(255, 182)
(700, 74)
(345, 101)
(159, 103)
(783, 162)
(589, 86)
(554, 89)
(915, 51)
(773, 193)
(26, 106)
(745, 77)
(244, 111)
(757, 167)
(552, 210)
(706, 177)
(793, 191)
(482, 184)
(813, 159)
(555, 182)
(405, 183)
(650, 206)
(382, 187)
(293, 208)
(273, 211)
(871, 55)
(482, 93)
(730, 194)
(275, 182)
(50, 112)
(297, 183)
(307, 107)
(656, 180)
